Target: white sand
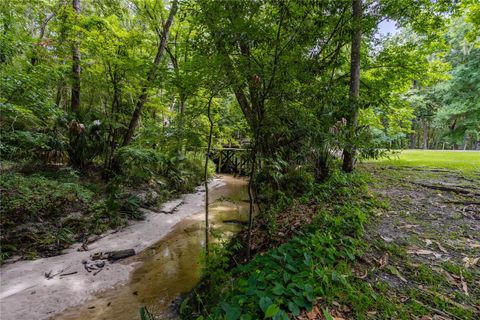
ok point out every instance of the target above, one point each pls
(25, 293)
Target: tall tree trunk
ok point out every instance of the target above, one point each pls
(352, 116)
(151, 75)
(76, 70)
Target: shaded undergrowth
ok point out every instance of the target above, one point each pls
(46, 211)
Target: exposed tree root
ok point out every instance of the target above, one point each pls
(446, 188)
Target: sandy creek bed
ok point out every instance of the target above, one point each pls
(169, 247)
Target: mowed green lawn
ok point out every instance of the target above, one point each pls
(468, 161)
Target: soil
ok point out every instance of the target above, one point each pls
(427, 241)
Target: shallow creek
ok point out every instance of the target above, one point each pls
(172, 266)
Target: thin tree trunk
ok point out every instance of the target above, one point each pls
(43, 26)
(425, 135)
(207, 156)
(112, 132)
(352, 117)
(76, 69)
(151, 76)
(413, 135)
(61, 99)
(251, 195)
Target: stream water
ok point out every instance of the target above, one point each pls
(173, 265)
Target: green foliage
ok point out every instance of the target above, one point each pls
(28, 144)
(280, 282)
(29, 203)
(171, 171)
(448, 106)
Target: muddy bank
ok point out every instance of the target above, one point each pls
(27, 294)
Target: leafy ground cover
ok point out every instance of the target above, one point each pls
(388, 243)
(466, 161)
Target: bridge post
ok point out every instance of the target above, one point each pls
(220, 161)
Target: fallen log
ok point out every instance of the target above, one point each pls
(120, 254)
(466, 203)
(233, 221)
(171, 206)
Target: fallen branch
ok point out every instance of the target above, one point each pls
(438, 311)
(68, 273)
(49, 274)
(448, 300)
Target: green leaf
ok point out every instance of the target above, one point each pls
(264, 303)
(299, 301)
(292, 306)
(281, 315)
(278, 289)
(271, 310)
(231, 312)
(144, 313)
(327, 315)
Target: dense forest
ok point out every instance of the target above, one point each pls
(110, 106)
(98, 83)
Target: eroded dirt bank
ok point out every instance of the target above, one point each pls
(26, 293)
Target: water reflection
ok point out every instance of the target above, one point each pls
(172, 266)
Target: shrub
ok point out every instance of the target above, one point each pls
(297, 181)
(274, 185)
(287, 279)
(30, 145)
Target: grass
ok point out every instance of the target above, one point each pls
(455, 160)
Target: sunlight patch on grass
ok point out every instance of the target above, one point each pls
(468, 161)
